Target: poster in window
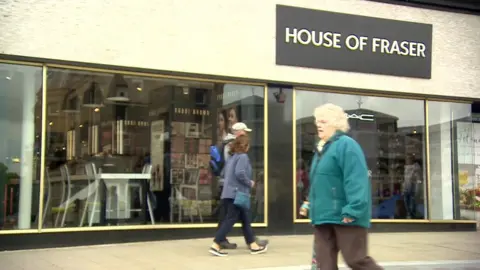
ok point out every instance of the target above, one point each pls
(191, 176)
(178, 129)
(191, 161)
(191, 145)
(192, 130)
(205, 177)
(203, 161)
(178, 144)
(204, 146)
(178, 176)
(157, 153)
(178, 160)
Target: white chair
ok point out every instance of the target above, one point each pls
(147, 169)
(192, 184)
(94, 182)
(92, 189)
(47, 199)
(65, 204)
(176, 199)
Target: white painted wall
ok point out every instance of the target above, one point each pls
(441, 117)
(441, 178)
(231, 38)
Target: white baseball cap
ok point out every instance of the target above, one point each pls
(241, 126)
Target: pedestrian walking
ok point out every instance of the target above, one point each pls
(238, 129)
(339, 203)
(236, 198)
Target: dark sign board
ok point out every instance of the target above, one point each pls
(336, 41)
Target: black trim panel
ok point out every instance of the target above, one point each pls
(306, 228)
(471, 7)
(70, 239)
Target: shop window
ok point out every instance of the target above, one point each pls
(128, 125)
(20, 123)
(392, 138)
(454, 167)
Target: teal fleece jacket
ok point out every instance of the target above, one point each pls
(340, 186)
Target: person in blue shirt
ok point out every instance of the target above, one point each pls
(238, 179)
(238, 129)
(339, 200)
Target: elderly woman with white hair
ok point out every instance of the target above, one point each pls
(339, 201)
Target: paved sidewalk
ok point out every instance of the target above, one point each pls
(423, 265)
(284, 253)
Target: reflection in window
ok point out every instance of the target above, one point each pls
(20, 123)
(392, 139)
(453, 166)
(129, 125)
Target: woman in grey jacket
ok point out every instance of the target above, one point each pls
(238, 177)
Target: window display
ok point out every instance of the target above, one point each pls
(20, 151)
(392, 138)
(453, 145)
(133, 126)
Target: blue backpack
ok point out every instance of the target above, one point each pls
(217, 158)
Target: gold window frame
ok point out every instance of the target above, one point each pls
(46, 66)
(427, 152)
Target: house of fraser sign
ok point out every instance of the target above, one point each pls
(345, 42)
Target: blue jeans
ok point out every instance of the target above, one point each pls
(234, 213)
(410, 204)
(222, 215)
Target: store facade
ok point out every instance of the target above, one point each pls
(107, 127)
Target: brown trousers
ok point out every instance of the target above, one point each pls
(352, 241)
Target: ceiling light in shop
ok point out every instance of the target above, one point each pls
(8, 78)
(118, 89)
(118, 98)
(138, 84)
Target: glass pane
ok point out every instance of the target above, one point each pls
(392, 139)
(20, 122)
(126, 126)
(453, 166)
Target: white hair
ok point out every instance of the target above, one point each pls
(334, 115)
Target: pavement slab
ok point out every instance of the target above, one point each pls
(421, 265)
(292, 252)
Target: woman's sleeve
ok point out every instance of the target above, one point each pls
(226, 151)
(356, 182)
(241, 167)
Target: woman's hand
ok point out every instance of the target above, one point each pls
(304, 209)
(252, 183)
(347, 220)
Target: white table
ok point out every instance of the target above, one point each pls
(121, 182)
(107, 180)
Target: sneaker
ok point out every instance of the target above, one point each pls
(228, 245)
(260, 242)
(217, 252)
(261, 250)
